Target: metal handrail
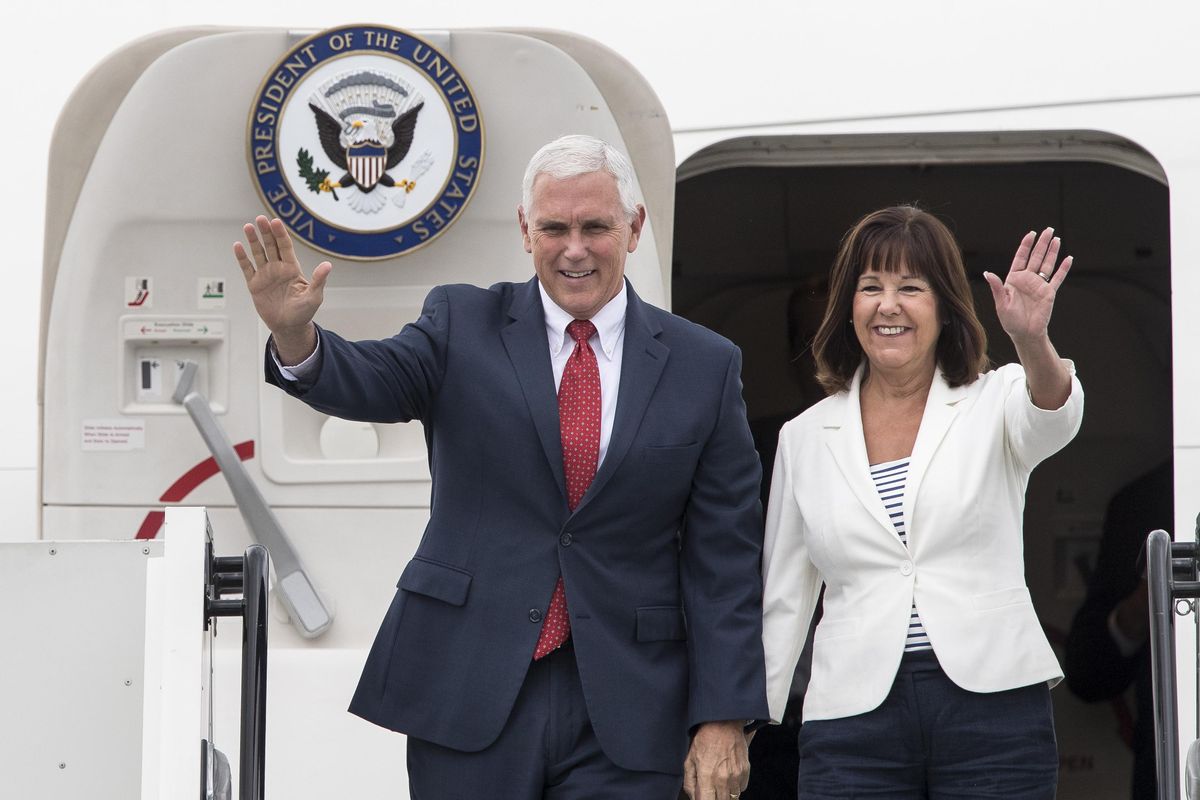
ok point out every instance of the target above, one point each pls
(1172, 573)
(310, 612)
(248, 576)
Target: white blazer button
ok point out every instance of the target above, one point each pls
(906, 568)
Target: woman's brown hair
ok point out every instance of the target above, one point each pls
(891, 240)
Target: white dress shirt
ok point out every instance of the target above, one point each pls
(606, 343)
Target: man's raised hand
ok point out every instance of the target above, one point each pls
(284, 299)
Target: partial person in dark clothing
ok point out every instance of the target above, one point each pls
(1108, 648)
(774, 749)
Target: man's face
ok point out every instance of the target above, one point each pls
(579, 236)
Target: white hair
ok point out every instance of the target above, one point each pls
(577, 154)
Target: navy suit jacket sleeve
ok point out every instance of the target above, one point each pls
(390, 380)
(721, 551)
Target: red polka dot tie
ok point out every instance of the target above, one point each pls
(579, 427)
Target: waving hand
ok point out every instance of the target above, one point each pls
(1025, 299)
(1024, 303)
(284, 299)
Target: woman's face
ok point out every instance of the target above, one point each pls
(896, 319)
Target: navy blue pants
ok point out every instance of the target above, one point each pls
(547, 751)
(932, 739)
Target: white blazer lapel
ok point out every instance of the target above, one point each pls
(844, 436)
(941, 407)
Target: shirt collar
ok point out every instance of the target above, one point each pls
(609, 322)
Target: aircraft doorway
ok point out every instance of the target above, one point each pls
(757, 225)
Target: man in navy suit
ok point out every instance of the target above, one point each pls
(582, 618)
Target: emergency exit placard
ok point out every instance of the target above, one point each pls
(193, 328)
(114, 434)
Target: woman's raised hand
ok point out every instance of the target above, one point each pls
(1025, 299)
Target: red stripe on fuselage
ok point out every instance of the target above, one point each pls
(184, 486)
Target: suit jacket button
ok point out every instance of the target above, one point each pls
(566, 539)
(535, 615)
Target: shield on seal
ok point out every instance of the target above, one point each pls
(366, 162)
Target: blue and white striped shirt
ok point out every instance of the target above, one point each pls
(889, 478)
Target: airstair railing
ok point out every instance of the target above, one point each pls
(246, 575)
(309, 612)
(1172, 576)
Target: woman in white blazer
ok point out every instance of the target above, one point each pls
(903, 493)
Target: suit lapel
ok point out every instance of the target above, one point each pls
(848, 445)
(525, 340)
(642, 364)
(941, 407)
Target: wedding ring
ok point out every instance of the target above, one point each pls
(1044, 277)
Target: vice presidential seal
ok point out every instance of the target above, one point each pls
(366, 141)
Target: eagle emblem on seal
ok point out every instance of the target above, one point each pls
(365, 122)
